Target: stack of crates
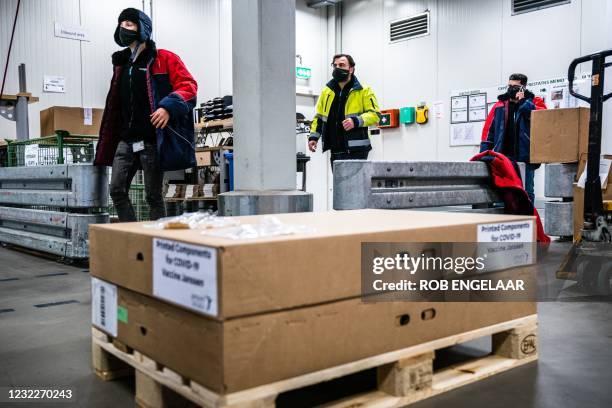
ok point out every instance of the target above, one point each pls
(64, 148)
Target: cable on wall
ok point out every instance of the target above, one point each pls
(8, 56)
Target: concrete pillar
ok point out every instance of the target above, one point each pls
(606, 144)
(263, 54)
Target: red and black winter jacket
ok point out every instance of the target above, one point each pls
(507, 182)
(495, 125)
(170, 86)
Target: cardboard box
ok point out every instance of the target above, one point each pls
(248, 276)
(559, 135)
(246, 352)
(74, 120)
(204, 158)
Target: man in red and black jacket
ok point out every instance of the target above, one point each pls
(507, 129)
(147, 122)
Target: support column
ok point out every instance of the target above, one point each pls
(263, 54)
(606, 135)
(21, 109)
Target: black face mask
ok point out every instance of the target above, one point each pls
(126, 37)
(340, 74)
(513, 90)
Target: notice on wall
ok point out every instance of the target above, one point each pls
(466, 134)
(104, 306)
(54, 83)
(459, 109)
(438, 109)
(186, 275)
(71, 32)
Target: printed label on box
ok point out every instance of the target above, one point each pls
(186, 275)
(513, 245)
(518, 231)
(104, 306)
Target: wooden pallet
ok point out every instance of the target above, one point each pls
(404, 376)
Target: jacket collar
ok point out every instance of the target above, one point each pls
(122, 57)
(333, 85)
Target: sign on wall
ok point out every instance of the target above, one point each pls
(71, 32)
(54, 83)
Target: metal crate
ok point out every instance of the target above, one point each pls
(62, 148)
(137, 197)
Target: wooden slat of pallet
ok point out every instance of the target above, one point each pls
(446, 380)
(161, 375)
(376, 361)
(31, 99)
(507, 338)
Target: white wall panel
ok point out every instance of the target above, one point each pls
(190, 28)
(36, 46)
(97, 67)
(469, 56)
(473, 44)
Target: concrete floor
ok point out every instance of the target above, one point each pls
(45, 341)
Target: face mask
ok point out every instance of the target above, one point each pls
(126, 37)
(513, 90)
(340, 74)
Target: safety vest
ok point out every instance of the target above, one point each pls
(361, 104)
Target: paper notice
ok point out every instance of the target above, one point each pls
(87, 116)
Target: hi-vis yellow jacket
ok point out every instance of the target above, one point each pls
(361, 106)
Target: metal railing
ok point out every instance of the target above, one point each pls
(458, 186)
(49, 208)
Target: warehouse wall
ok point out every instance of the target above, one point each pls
(473, 44)
(85, 65)
(199, 31)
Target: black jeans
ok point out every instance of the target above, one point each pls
(125, 165)
(347, 156)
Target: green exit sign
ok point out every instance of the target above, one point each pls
(303, 72)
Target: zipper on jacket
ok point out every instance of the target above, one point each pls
(372, 102)
(131, 97)
(326, 100)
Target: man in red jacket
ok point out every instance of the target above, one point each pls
(147, 122)
(507, 129)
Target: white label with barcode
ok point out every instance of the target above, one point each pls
(104, 306)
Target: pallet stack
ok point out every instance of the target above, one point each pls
(227, 322)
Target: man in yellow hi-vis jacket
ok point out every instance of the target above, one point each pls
(344, 111)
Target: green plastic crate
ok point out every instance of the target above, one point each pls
(63, 148)
(137, 197)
